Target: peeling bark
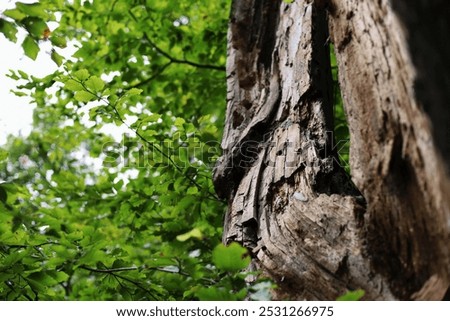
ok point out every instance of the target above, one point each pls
(394, 158)
(290, 203)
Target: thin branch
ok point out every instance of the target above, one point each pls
(122, 285)
(68, 286)
(146, 81)
(20, 246)
(36, 294)
(9, 285)
(112, 9)
(182, 61)
(159, 150)
(131, 268)
(136, 284)
(113, 270)
(176, 60)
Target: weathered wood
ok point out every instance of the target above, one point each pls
(427, 26)
(394, 159)
(290, 202)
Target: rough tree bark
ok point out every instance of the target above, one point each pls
(306, 223)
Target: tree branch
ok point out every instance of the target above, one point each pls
(159, 150)
(176, 60)
(146, 81)
(182, 61)
(113, 270)
(130, 268)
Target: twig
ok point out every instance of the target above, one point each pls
(182, 61)
(175, 60)
(156, 74)
(112, 272)
(159, 150)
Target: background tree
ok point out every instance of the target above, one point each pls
(86, 217)
(307, 225)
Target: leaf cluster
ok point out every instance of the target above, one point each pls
(110, 197)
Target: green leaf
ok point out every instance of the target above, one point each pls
(84, 96)
(59, 276)
(35, 26)
(95, 84)
(3, 154)
(231, 258)
(23, 74)
(57, 58)
(32, 9)
(15, 14)
(193, 190)
(43, 279)
(12, 75)
(179, 122)
(113, 99)
(194, 233)
(18, 93)
(151, 119)
(351, 296)
(60, 42)
(73, 85)
(37, 286)
(30, 47)
(133, 92)
(8, 29)
(82, 74)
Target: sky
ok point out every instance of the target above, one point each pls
(16, 112)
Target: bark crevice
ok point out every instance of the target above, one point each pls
(291, 205)
(306, 223)
(402, 178)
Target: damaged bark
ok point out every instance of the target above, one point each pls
(395, 159)
(290, 203)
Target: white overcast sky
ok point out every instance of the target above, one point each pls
(16, 112)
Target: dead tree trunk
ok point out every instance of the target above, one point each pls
(290, 203)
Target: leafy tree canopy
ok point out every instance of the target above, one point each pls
(88, 217)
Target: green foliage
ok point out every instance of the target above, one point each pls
(30, 47)
(351, 296)
(341, 130)
(8, 29)
(85, 216)
(230, 258)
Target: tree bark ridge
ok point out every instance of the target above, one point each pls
(394, 159)
(289, 201)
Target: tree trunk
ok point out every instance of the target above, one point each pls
(306, 223)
